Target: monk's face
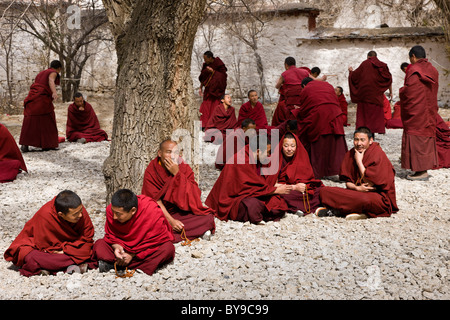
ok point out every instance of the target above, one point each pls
(261, 155)
(208, 60)
(227, 100)
(253, 97)
(338, 91)
(361, 141)
(289, 147)
(122, 216)
(74, 215)
(79, 102)
(169, 150)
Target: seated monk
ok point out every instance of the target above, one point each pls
(82, 123)
(171, 182)
(11, 160)
(237, 140)
(242, 194)
(295, 169)
(222, 118)
(321, 128)
(137, 235)
(253, 109)
(59, 237)
(442, 142)
(370, 181)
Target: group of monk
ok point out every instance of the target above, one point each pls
(261, 178)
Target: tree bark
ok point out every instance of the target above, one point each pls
(154, 90)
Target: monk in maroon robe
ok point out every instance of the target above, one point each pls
(82, 122)
(39, 127)
(295, 169)
(321, 128)
(235, 141)
(213, 83)
(418, 98)
(171, 182)
(442, 143)
(253, 109)
(242, 194)
(137, 235)
(290, 82)
(370, 181)
(59, 237)
(11, 160)
(222, 118)
(343, 104)
(367, 86)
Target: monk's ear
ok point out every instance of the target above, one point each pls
(133, 210)
(370, 140)
(159, 153)
(62, 215)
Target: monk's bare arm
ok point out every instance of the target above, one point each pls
(176, 224)
(279, 83)
(51, 83)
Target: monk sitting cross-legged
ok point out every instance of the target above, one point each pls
(253, 109)
(369, 177)
(242, 194)
(295, 169)
(137, 235)
(170, 182)
(82, 122)
(59, 237)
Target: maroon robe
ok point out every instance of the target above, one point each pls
(180, 195)
(379, 171)
(235, 140)
(344, 107)
(298, 169)
(418, 98)
(84, 124)
(11, 160)
(220, 120)
(321, 129)
(367, 86)
(442, 143)
(240, 188)
(395, 122)
(214, 84)
(39, 127)
(256, 113)
(47, 232)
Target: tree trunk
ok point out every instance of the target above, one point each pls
(154, 90)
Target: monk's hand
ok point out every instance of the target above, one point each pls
(284, 189)
(171, 166)
(209, 69)
(54, 96)
(58, 252)
(119, 253)
(365, 187)
(200, 92)
(359, 156)
(350, 69)
(300, 187)
(177, 225)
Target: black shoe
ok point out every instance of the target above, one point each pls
(104, 266)
(24, 148)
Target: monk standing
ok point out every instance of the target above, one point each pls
(367, 86)
(253, 109)
(242, 194)
(418, 99)
(171, 182)
(321, 128)
(11, 160)
(343, 104)
(370, 182)
(82, 122)
(213, 83)
(39, 127)
(137, 235)
(59, 237)
(291, 83)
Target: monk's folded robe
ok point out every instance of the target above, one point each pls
(214, 84)
(395, 122)
(321, 128)
(39, 127)
(418, 98)
(47, 232)
(379, 171)
(242, 194)
(256, 113)
(296, 170)
(11, 160)
(220, 120)
(367, 86)
(147, 234)
(181, 196)
(84, 124)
